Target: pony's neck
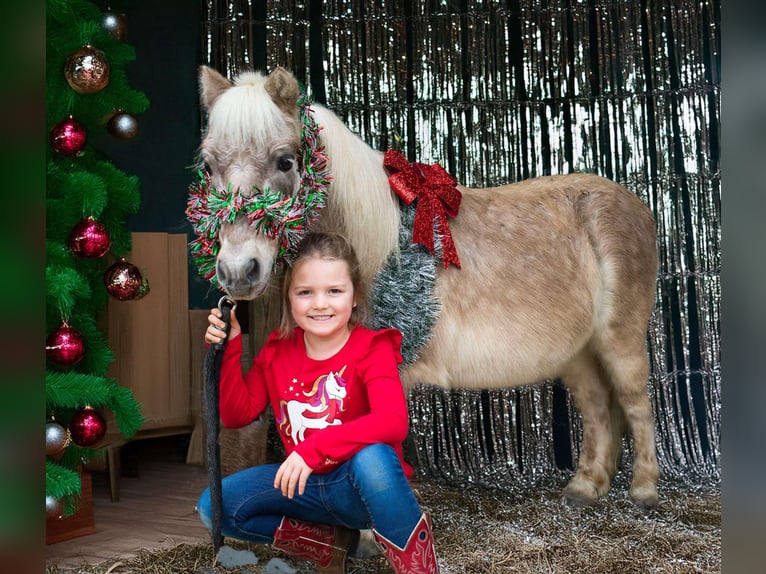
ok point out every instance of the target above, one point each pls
(360, 203)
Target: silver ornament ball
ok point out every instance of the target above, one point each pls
(56, 438)
(53, 507)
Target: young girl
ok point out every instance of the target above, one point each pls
(340, 409)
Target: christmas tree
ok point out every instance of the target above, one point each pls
(88, 200)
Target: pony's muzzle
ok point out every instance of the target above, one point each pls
(239, 280)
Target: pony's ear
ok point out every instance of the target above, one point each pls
(211, 85)
(283, 88)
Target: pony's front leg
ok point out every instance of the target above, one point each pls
(596, 465)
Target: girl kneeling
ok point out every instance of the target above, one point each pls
(341, 413)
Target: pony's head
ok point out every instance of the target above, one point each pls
(261, 181)
(266, 177)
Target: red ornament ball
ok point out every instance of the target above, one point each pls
(123, 125)
(65, 346)
(87, 70)
(68, 137)
(123, 280)
(87, 427)
(89, 238)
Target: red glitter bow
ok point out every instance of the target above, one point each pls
(437, 195)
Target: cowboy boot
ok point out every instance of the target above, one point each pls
(325, 545)
(418, 555)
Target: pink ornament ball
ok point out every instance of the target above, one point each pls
(87, 427)
(68, 137)
(65, 346)
(89, 239)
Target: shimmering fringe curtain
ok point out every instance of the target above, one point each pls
(501, 91)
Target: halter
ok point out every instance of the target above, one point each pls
(272, 213)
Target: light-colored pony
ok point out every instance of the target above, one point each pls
(557, 281)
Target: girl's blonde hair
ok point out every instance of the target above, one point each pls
(331, 246)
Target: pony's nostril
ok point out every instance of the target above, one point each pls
(253, 271)
(221, 272)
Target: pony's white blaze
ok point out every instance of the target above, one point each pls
(557, 281)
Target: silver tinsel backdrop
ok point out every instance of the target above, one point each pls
(499, 91)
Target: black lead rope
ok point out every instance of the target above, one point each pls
(211, 393)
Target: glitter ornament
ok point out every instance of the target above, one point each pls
(89, 238)
(53, 507)
(87, 427)
(123, 280)
(68, 137)
(87, 70)
(56, 439)
(115, 24)
(122, 125)
(65, 346)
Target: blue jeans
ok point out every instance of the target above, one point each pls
(368, 490)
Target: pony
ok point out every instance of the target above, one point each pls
(555, 276)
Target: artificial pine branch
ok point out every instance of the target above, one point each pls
(63, 484)
(75, 390)
(60, 481)
(126, 410)
(65, 287)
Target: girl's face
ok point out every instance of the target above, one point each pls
(321, 298)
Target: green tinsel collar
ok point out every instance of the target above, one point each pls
(273, 213)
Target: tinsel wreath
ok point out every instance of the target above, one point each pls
(402, 293)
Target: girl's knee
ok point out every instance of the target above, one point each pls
(203, 509)
(376, 459)
(376, 452)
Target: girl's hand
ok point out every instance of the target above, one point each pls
(294, 471)
(216, 330)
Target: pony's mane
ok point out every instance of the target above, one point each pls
(360, 202)
(246, 115)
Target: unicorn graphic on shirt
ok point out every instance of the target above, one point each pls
(324, 403)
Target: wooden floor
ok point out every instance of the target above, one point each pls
(158, 492)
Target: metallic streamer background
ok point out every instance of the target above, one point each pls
(500, 91)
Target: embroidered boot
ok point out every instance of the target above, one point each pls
(418, 555)
(325, 545)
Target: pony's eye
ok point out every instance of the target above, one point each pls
(285, 163)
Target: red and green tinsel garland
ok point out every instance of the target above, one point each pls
(272, 213)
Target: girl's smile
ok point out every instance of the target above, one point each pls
(321, 298)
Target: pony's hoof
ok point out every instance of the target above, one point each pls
(645, 498)
(576, 500)
(579, 493)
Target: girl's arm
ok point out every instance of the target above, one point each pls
(243, 398)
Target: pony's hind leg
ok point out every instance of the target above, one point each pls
(628, 371)
(596, 464)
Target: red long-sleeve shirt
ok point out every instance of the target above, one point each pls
(325, 410)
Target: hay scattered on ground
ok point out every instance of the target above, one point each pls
(524, 530)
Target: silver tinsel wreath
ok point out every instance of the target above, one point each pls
(402, 293)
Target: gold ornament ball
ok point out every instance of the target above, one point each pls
(87, 70)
